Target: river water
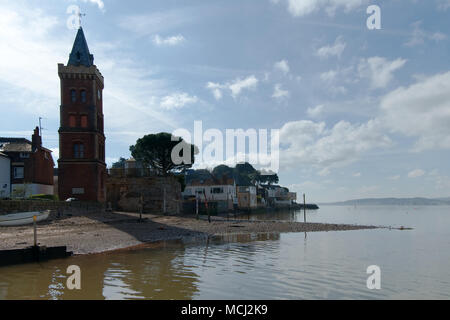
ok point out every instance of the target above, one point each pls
(415, 264)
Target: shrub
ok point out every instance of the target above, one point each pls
(49, 197)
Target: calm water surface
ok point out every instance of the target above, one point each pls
(327, 265)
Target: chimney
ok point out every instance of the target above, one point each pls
(36, 140)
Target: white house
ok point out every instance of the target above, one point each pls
(212, 193)
(5, 176)
(247, 197)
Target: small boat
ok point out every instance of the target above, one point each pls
(22, 218)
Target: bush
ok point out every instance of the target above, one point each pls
(49, 197)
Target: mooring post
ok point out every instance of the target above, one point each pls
(35, 230)
(164, 201)
(228, 205)
(196, 206)
(141, 207)
(304, 207)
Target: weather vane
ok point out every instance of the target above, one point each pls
(79, 17)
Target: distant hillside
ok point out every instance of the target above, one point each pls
(393, 201)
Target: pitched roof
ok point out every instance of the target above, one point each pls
(15, 145)
(3, 155)
(14, 140)
(80, 54)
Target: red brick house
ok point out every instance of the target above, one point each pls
(31, 165)
(81, 164)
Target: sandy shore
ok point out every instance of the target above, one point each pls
(110, 231)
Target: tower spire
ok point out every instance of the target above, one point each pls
(80, 54)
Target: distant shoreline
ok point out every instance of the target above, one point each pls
(391, 201)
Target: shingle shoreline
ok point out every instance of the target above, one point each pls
(102, 232)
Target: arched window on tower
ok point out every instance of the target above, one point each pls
(78, 150)
(73, 95)
(83, 96)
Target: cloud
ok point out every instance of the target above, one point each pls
(300, 8)
(177, 101)
(312, 143)
(421, 110)
(419, 36)
(216, 89)
(282, 66)
(168, 41)
(32, 83)
(99, 3)
(316, 111)
(279, 93)
(438, 36)
(333, 50)
(396, 177)
(238, 85)
(328, 75)
(379, 70)
(443, 4)
(235, 87)
(357, 175)
(158, 22)
(416, 173)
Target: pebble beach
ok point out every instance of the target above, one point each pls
(102, 232)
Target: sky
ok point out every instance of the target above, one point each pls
(361, 113)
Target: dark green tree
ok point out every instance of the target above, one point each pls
(119, 164)
(272, 179)
(162, 155)
(222, 171)
(245, 169)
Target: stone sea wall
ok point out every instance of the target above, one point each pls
(13, 206)
(159, 194)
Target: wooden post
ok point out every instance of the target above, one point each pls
(141, 207)
(207, 207)
(35, 230)
(228, 205)
(164, 201)
(196, 205)
(304, 207)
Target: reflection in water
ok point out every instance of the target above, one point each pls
(325, 265)
(148, 273)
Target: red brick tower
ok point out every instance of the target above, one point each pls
(81, 164)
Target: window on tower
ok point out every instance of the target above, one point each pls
(72, 121)
(83, 95)
(73, 95)
(84, 121)
(78, 151)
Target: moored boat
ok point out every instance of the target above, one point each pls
(22, 218)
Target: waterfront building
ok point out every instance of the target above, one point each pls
(31, 166)
(81, 165)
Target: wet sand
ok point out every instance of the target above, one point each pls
(95, 233)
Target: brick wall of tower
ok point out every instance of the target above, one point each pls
(81, 122)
